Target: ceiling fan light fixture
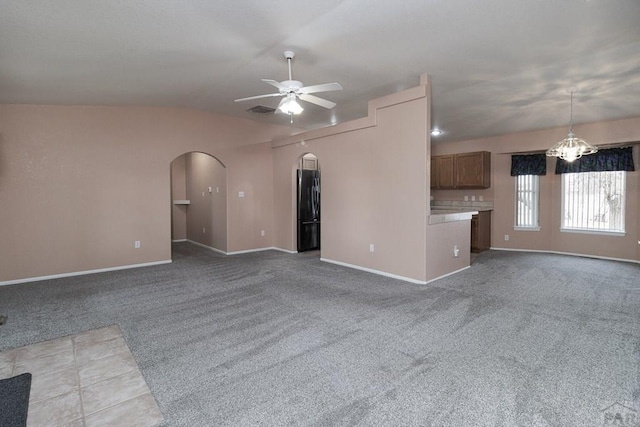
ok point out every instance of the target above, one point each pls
(571, 148)
(289, 105)
(294, 90)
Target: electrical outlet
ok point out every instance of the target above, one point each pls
(241, 194)
(217, 189)
(456, 251)
(209, 189)
(473, 198)
(372, 248)
(466, 198)
(262, 233)
(480, 198)
(204, 230)
(506, 237)
(136, 244)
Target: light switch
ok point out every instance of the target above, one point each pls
(241, 194)
(210, 190)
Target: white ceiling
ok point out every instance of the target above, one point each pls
(497, 66)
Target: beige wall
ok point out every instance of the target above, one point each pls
(79, 184)
(550, 238)
(374, 186)
(206, 216)
(441, 240)
(178, 192)
(252, 173)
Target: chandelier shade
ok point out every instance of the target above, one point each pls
(571, 148)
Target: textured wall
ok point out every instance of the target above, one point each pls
(178, 192)
(207, 214)
(374, 187)
(78, 185)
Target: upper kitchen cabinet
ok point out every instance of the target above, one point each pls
(473, 170)
(443, 171)
(464, 170)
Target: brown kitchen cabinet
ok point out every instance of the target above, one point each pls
(481, 231)
(443, 172)
(463, 171)
(473, 170)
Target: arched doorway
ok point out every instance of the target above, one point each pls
(199, 200)
(308, 203)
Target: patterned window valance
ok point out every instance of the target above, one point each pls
(528, 164)
(612, 159)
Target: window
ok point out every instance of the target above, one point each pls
(593, 201)
(527, 202)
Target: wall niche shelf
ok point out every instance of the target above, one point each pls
(182, 202)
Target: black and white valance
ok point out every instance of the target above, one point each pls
(611, 159)
(528, 164)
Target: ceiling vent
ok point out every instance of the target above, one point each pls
(261, 109)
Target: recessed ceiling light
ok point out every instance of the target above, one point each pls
(436, 132)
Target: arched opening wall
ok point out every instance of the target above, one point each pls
(374, 187)
(199, 200)
(79, 197)
(308, 203)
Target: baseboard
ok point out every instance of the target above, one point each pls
(271, 248)
(448, 274)
(179, 240)
(378, 272)
(211, 248)
(246, 251)
(566, 253)
(287, 251)
(81, 273)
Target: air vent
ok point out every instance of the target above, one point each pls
(261, 109)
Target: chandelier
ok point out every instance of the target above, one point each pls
(571, 148)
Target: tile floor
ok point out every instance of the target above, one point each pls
(89, 379)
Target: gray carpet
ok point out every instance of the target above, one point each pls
(277, 339)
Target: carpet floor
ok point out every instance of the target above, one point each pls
(276, 339)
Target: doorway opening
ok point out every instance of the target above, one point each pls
(308, 203)
(199, 201)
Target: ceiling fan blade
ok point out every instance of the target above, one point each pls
(276, 84)
(318, 101)
(258, 97)
(326, 87)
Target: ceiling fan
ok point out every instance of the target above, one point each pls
(292, 90)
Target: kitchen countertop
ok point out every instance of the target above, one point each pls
(460, 206)
(439, 216)
(454, 210)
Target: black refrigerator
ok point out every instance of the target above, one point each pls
(308, 210)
